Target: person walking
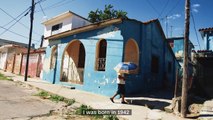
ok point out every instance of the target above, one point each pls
(121, 88)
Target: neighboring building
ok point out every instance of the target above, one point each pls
(85, 57)
(177, 45)
(204, 64)
(204, 73)
(61, 23)
(6, 42)
(36, 58)
(207, 35)
(7, 56)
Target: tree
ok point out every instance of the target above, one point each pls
(107, 13)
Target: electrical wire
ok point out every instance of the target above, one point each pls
(15, 19)
(13, 24)
(18, 21)
(167, 2)
(58, 4)
(173, 8)
(193, 21)
(150, 4)
(16, 33)
(42, 9)
(12, 16)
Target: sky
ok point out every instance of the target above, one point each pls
(15, 22)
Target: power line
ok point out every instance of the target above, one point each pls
(150, 4)
(175, 5)
(58, 4)
(42, 9)
(16, 33)
(13, 24)
(193, 21)
(15, 19)
(18, 21)
(167, 2)
(12, 16)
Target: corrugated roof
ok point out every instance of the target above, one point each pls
(206, 29)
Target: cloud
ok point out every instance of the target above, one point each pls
(173, 17)
(196, 5)
(195, 8)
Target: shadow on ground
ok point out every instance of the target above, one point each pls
(152, 104)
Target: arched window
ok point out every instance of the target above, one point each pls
(53, 57)
(131, 53)
(101, 50)
(81, 56)
(73, 60)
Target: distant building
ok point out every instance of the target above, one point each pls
(207, 35)
(84, 57)
(61, 23)
(177, 45)
(7, 56)
(6, 42)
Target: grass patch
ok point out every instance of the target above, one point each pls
(83, 108)
(2, 77)
(69, 101)
(42, 94)
(55, 98)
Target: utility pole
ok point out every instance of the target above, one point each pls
(167, 26)
(30, 39)
(185, 61)
(171, 30)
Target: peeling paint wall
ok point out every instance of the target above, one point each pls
(17, 64)
(35, 64)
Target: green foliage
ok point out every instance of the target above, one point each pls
(82, 108)
(110, 117)
(42, 94)
(56, 98)
(69, 101)
(107, 13)
(2, 77)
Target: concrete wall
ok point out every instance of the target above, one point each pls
(150, 42)
(78, 22)
(35, 64)
(66, 25)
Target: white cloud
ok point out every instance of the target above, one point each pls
(195, 8)
(175, 16)
(196, 5)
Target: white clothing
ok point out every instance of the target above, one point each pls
(120, 81)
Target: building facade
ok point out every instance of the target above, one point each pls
(85, 57)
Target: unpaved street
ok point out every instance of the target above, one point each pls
(19, 103)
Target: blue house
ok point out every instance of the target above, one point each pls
(84, 57)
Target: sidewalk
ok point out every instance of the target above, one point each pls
(139, 111)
